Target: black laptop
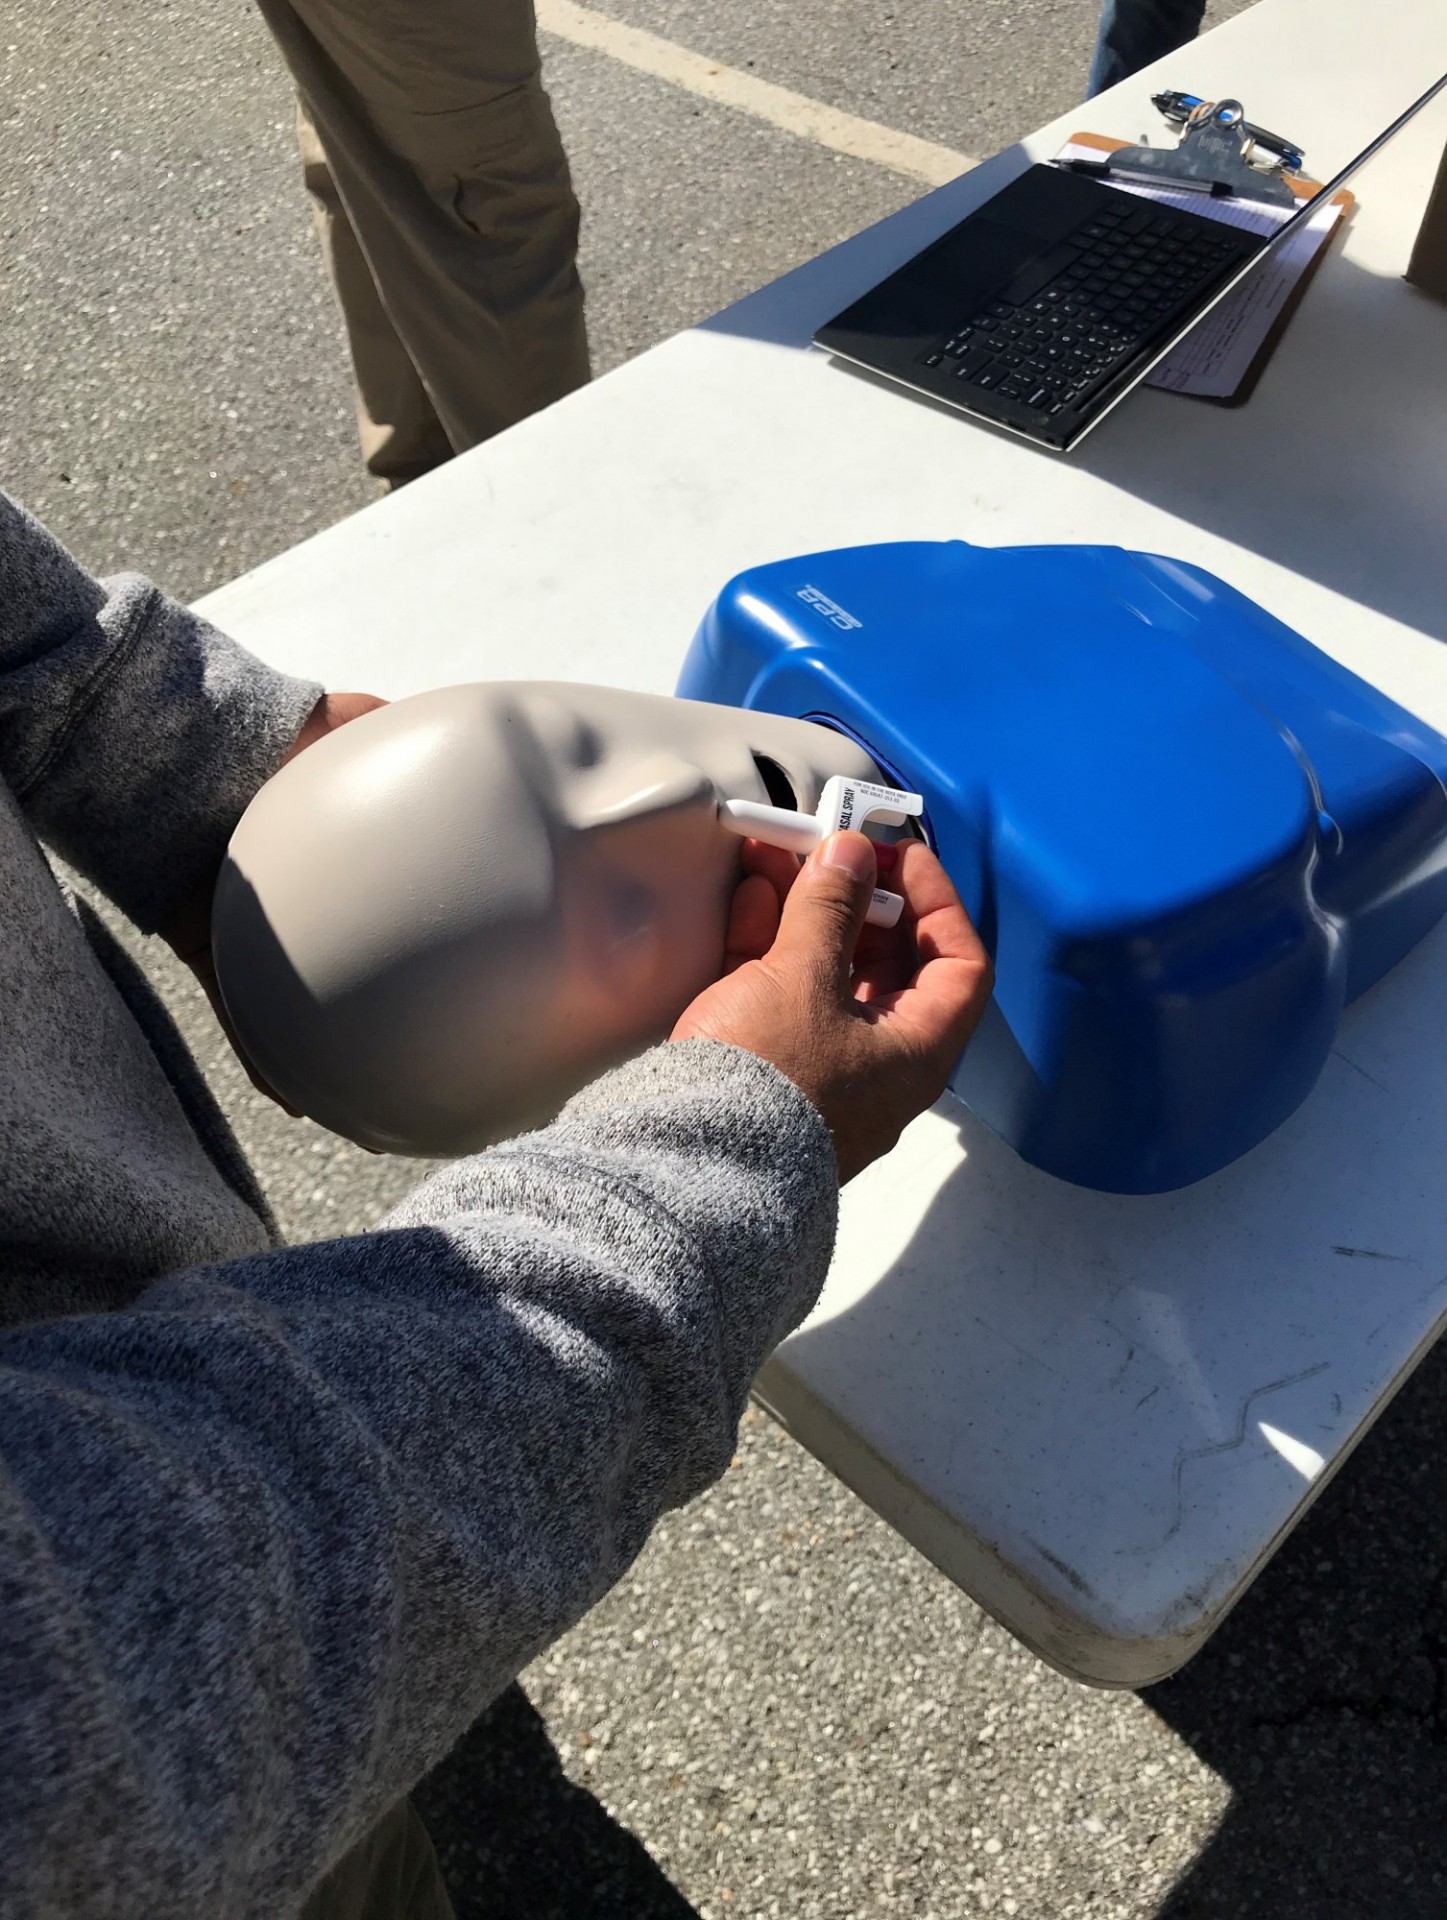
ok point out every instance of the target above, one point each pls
(1049, 303)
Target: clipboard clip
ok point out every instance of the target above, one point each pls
(1180, 108)
(1215, 154)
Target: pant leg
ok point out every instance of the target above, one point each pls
(444, 153)
(397, 424)
(1133, 33)
(391, 1874)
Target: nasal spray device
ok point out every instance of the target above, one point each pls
(844, 805)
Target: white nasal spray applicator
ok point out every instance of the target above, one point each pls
(845, 804)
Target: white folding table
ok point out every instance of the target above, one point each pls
(1099, 1415)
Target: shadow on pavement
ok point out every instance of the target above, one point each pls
(517, 1840)
(1322, 1700)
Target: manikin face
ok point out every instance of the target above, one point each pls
(441, 920)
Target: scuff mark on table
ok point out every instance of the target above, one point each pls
(1238, 1438)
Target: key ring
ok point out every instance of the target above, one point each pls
(1190, 110)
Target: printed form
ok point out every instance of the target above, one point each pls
(1216, 355)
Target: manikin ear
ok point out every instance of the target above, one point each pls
(647, 788)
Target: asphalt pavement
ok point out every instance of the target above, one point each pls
(783, 1709)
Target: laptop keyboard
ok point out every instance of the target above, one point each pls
(1076, 317)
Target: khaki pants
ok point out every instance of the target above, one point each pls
(446, 213)
(391, 1875)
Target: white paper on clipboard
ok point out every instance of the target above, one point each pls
(1216, 355)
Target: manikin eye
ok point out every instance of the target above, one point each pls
(568, 738)
(586, 745)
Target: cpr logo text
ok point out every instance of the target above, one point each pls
(830, 609)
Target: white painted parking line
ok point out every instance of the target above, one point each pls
(728, 87)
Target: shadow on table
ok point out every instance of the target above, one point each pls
(1322, 1700)
(517, 1840)
(1336, 468)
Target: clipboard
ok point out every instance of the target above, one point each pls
(1342, 202)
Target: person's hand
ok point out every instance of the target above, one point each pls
(333, 710)
(189, 933)
(866, 1021)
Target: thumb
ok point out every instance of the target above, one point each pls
(826, 905)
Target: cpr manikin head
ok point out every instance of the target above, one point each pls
(441, 920)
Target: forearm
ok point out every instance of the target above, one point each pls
(287, 1527)
(132, 733)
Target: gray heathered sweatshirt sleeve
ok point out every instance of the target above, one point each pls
(132, 733)
(270, 1539)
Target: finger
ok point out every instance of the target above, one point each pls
(885, 972)
(826, 907)
(942, 928)
(940, 1005)
(885, 960)
(333, 710)
(779, 868)
(940, 1008)
(753, 921)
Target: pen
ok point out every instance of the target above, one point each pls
(1178, 108)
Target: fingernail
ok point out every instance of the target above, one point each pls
(850, 851)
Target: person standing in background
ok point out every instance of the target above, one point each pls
(446, 212)
(1133, 33)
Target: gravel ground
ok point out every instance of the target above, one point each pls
(783, 1709)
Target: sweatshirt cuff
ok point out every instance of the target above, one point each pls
(179, 728)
